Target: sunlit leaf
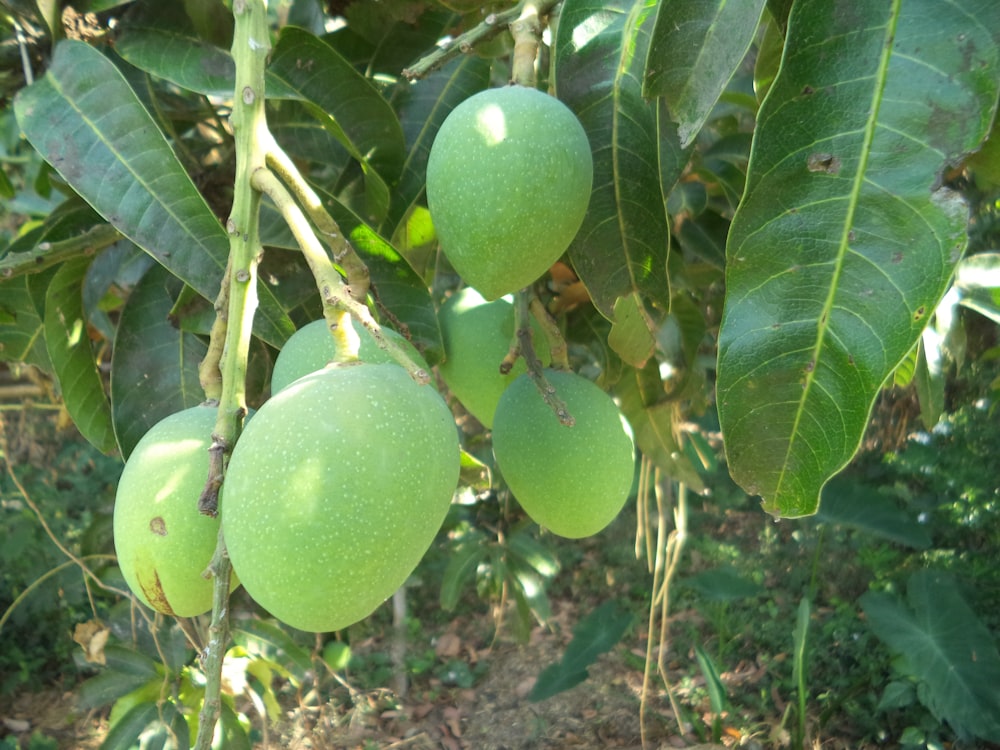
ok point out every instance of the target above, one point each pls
(67, 339)
(622, 246)
(844, 242)
(695, 49)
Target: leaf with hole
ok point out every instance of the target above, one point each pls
(844, 241)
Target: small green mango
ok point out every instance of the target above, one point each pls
(163, 543)
(477, 336)
(571, 480)
(508, 184)
(312, 347)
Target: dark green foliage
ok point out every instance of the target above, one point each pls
(938, 641)
(73, 486)
(595, 634)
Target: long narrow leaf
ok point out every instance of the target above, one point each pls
(68, 343)
(600, 51)
(695, 49)
(844, 242)
(87, 122)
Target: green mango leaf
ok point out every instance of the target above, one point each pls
(160, 39)
(22, 307)
(68, 342)
(347, 103)
(461, 570)
(595, 634)
(938, 640)
(844, 243)
(695, 49)
(768, 57)
(474, 473)
(599, 52)
(83, 118)
(154, 367)
(631, 334)
(422, 108)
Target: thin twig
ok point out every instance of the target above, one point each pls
(522, 328)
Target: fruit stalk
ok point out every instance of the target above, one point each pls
(338, 302)
(358, 279)
(251, 45)
(522, 332)
(527, 33)
(558, 351)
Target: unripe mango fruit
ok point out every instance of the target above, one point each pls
(311, 348)
(163, 543)
(336, 489)
(571, 480)
(508, 184)
(477, 336)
